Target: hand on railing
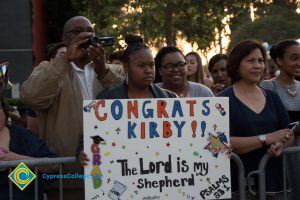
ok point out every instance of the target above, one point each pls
(276, 149)
(6, 155)
(83, 159)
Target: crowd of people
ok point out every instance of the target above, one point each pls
(260, 109)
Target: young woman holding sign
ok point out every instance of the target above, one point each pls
(139, 67)
(258, 119)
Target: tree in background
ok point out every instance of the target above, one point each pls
(273, 22)
(162, 22)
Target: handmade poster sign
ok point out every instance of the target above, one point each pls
(157, 149)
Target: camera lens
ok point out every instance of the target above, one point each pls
(95, 40)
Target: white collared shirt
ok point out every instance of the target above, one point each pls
(86, 79)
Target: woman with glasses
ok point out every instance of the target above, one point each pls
(172, 66)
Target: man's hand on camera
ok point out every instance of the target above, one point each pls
(74, 50)
(96, 53)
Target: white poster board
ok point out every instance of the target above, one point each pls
(157, 149)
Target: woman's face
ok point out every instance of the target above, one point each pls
(192, 65)
(290, 63)
(252, 67)
(219, 73)
(173, 69)
(141, 70)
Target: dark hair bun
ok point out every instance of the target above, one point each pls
(273, 52)
(131, 39)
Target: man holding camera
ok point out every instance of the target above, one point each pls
(56, 90)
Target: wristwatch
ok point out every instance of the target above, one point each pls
(262, 138)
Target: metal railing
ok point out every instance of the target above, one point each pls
(71, 160)
(241, 176)
(286, 152)
(261, 193)
(35, 163)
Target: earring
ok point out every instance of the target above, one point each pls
(9, 121)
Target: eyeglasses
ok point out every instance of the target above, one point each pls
(170, 67)
(81, 30)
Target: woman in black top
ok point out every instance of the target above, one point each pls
(258, 119)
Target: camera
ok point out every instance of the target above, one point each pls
(103, 41)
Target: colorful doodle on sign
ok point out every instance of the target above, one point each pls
(117, 190)
(220, 108)
(217, 143)
(96, 172)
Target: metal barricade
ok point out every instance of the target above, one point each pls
(261, 173)
(287, 151)
(261, 177)
(35, 163)
(71, 160)
(241, 176)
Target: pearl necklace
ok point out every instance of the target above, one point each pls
(291, 92)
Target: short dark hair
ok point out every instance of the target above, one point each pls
(53, 50)
(216, 58)
(164, 51)
(278, 50)
(116, 55)
(240, 51)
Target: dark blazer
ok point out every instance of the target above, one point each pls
(121, 92)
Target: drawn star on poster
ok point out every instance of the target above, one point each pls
(217, 143)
